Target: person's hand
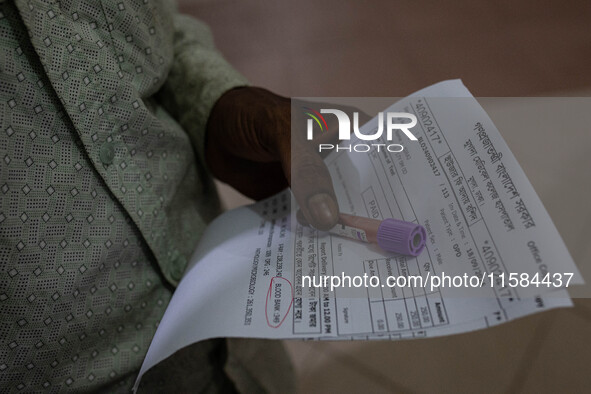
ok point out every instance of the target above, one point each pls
(249, 146)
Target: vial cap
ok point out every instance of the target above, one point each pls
(401, 237)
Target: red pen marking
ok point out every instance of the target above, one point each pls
(279, 283)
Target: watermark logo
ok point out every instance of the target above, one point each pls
(317, 117)
(402, 121)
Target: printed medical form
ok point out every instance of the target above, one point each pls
(459, 180)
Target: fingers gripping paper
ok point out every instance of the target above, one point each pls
(459, 180)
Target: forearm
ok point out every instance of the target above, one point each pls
(198, 77)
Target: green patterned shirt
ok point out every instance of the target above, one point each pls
(103, 188)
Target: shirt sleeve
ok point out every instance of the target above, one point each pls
(198, 77)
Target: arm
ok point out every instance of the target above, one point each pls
(242, 134)
(198, 77)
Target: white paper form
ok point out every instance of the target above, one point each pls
(459, 180)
